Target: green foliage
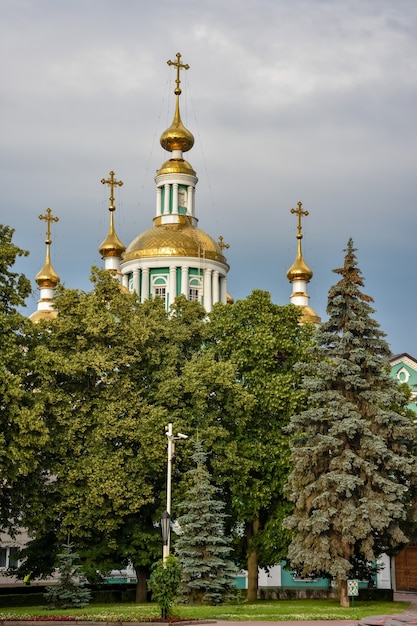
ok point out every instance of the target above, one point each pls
(22, 428)
(70, 590)
(203, 549)
(164, 583)
(38, 557)
(101, 370)
(353, 449)
(14, 287)
(263, 342)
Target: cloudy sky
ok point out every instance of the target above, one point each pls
(288, 100)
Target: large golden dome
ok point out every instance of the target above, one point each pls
(181, 239)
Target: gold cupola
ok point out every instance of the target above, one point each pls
(111, 246)
(46, 279)
(299, 270)
(177, 139)
(175, 257)
(300, 275)
(181, 239)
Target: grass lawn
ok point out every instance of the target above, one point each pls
(277, 610)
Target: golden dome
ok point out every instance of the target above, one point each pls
(46, 314)
(176, 166)
(47, 277)
(309, 316)
(174, 240)
(299, 270)
(177, 137)
(111, 246)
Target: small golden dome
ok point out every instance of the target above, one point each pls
(111, 246)
(174, 240)
(43, 315)
(309, 316)
(177, 137)
(47, 277)
(299, 270)
(229, 299)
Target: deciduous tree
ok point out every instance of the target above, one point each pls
(263, 342)
(111, 374)
(22, 429)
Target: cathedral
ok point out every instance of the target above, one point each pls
(174, 257)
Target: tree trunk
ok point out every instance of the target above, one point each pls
(252, 530)
(343, 596)
(142, 574)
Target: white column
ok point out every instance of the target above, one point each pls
(136, 285)
(166, 199)
(158, 201)
(216, 287)
(207, 291)
(190, 200)
(175, 198)
(125, 281)
(172, 284)
(223, 289)
(184, 281)
(145, 284)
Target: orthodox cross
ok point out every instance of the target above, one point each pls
(112, 182)
(179, 66)
(222, 245)
(299, 212)
(48, 218)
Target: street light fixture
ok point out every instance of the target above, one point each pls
(165, 527)
(167, 519)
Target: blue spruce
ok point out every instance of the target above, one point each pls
(203, 549)
(353, 449)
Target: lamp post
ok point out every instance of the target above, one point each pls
(166, 516)
(165, 526)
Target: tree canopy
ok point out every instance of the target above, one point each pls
(111, 374)
(22, 429)
(353, 448)
(263, 341)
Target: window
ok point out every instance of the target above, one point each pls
(160, 292)
(13, 560)
(194, 295)
(8, 557)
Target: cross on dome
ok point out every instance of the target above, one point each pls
(48, 218)
(223, 245)
(179, 66)
(299, 211)
(112, 182)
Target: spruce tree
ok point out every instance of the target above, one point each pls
(353, 449)
(70, 590)
(203, 549)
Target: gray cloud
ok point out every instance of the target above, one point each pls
(312, 100)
